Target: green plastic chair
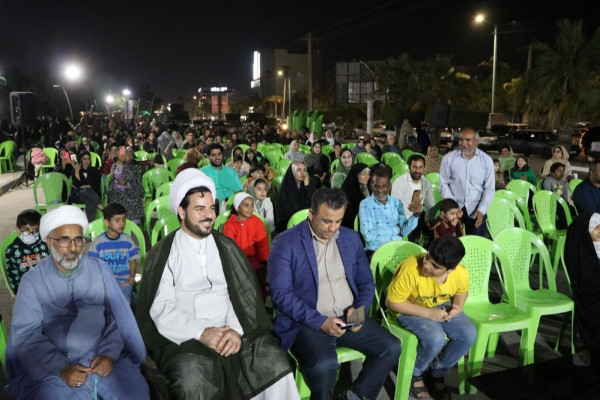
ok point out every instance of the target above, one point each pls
(276, 182)
(96, 160)
(7, 156)
(490, 319)
(141, 155)
(178, 153)
(387, 263)
(152, 179)
(52, 186)
(366, 158)
(304, 149)
(350, 146)
(5, 243)
(163, 227)
(273, 155)
(173, 164)
(276, 146)
(560, 259)
(400, 169)
(220, 220)
(502, 214)
(3, 341)
(164, 189)
(334, 165)
(406, 153)
(298, 217)
(96, 228)
(434, 178)
(545, 205)
(283, 165)
(344, 354)
(437, 193)
(327, 149)
(524, 190)
(204, 162)
(520, 203)
(517, 245)
(160, 205)
(51, 155)
(390, 158)
(573, 184)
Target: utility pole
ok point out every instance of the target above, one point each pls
(309, 93)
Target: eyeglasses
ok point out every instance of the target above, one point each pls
(65, 241)
(30, 230)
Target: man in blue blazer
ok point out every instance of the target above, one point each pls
(319, 276)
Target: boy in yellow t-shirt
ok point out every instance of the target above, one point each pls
(427, 294)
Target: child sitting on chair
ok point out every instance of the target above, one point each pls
(556, 183)
(25, 251)
(117, 248)
(427, 294)
(248, 232)
(448, 223)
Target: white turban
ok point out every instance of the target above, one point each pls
(185, 181)
(237, 200)
(63, 215)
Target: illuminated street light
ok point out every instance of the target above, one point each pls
(73, 72)
(287, 86)
(109, 100)
(480, 18)
(126, 92)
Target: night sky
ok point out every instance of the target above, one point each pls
(176, 46)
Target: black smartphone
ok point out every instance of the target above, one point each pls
(354, 319)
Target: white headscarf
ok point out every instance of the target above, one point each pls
(594, 222)
(185, 181)
(237, 200)
(63, 215)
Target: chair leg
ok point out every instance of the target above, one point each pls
(476, 357)
(563, 327)
(301, 385)
(492, 344)
(462, 376)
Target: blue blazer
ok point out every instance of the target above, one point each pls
(294, 279)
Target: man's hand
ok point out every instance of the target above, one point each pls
(211, 336)
(478, 217)
(74, 375)
(454, 311)
(415, 208)
(331, 326)
(101, 365)
(354, 328)
(230, 343)
(437, 314)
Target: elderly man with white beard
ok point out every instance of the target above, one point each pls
(73, 335)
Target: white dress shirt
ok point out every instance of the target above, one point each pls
(192, 293)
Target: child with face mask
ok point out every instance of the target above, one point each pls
(27, 250)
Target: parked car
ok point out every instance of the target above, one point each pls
(488, 141)
(530, 142)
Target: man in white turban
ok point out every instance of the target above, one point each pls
(73, 334)
(200, 310)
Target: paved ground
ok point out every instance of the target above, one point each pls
(21, 197)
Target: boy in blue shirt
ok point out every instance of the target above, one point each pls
(116, 248)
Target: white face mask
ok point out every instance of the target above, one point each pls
(29, 238)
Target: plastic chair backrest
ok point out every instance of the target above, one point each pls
(501, 215)
(437, 194)
(334, 165)
(52, 186)
(153, 178)
(386, 158)
(163, 227)
(283, 165)
(5, 243)
(96, 228)
(521, 188)
(298, 217)
(327, 149)
(406, 153)
(178, 153)
(480, 254)
(51, 154)
(573, 184)
(220, 220)
(173, 164)
(276, 182)
(519, 202)
(400, 169)
(162, 208)
(366, 158)
(141, 155)
(96, 160)
(433, 177)
(517, 245)
(164, 189)
(350, 146)
(544, 206)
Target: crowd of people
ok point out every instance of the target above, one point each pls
(200, 306)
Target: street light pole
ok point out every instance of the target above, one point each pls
(67, 97)
(494, 67)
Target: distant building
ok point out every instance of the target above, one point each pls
(271, 66)
(355, 81)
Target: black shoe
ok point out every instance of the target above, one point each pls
(350, 395)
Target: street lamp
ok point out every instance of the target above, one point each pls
(109, 100)
(480, 18)
(287, 83)
(128, 112)
(72, 73)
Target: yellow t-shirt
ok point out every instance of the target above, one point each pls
(409, 284)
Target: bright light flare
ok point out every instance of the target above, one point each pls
(110, 99)
(479, 18)
(73, 72)
(126, 92)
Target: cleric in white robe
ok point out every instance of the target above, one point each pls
(200, 310)
(73, 335)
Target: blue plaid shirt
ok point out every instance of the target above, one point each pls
(382, 223)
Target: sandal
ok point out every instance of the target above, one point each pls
(415, 391)
(443, 393)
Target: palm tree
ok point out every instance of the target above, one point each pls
(564, 83)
